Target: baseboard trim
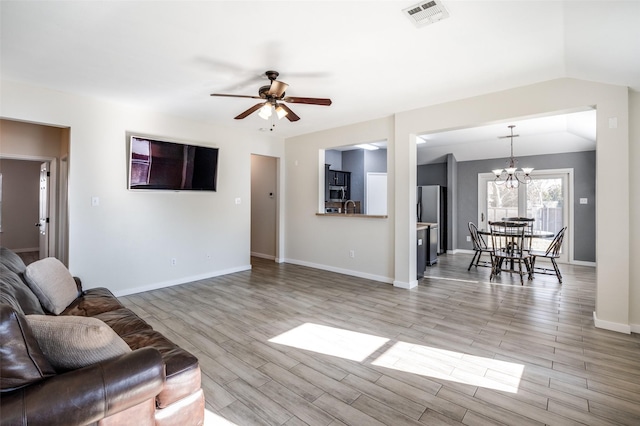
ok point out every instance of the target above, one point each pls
(583, 263)
(26, 250)
(462, 251)
(341, 271)
(613, 326)
(635, 328)
(183, 280)
(405, 285)
(263, 256)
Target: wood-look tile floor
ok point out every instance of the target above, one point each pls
(289, 345)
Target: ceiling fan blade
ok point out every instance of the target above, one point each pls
(309, 101)
(291, 116)
(277, 88)
(236, 96)
(249, 111)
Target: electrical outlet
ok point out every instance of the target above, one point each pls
(174, 261)
(208, 256)
(468, 238)
(352, 253)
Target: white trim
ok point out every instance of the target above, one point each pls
(613, 326)
(583, 263)
(183, 280)
(461, 251)
(358, 274)
(635, 328)
(406, 286)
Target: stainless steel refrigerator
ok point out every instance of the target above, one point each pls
(432, 207)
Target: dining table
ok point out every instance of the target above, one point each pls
(533, 234)
(528, 233)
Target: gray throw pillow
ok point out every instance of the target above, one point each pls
(52, 282)
(11, 260)
(22, 362)
(71, 342)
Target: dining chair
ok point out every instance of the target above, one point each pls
(508, 240)
(479, 246)
(528, 233)
(551, 253)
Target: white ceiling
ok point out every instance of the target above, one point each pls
(570, 132)
(366, 56)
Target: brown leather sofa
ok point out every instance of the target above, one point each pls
(157, 383)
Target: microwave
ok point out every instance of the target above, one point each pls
(337, 193)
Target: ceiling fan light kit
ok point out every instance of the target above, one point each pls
(272, 94)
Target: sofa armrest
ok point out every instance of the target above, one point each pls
(88, 394)
(78, 284)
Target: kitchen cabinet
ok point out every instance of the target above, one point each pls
(334, 179)
(338, 177)
(421, 261)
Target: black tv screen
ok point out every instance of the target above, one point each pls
(162, 165)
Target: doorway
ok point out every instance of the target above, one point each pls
(26, 149)
(264, 206)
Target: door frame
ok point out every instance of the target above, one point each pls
(568, 215)
(52, 240)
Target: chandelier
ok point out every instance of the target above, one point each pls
(510, 176)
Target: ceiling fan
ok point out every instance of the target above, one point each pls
(274, 96)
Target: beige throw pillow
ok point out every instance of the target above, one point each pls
(52, 282)
(71, 342)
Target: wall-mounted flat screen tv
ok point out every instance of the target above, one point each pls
(163, 165)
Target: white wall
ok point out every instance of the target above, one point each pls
(126, 243)
(325, 241)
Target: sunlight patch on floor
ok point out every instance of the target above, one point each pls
(331, 341)
(407, 357)
(212, 419)
(452, 366)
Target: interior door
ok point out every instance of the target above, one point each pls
(43, 221)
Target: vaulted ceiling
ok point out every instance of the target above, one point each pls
(367, 56)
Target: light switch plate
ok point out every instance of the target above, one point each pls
(95, 201)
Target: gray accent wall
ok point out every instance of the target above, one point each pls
(461, 180)
(353, 161)
(584, 166)
(432, 174)
(333, 157)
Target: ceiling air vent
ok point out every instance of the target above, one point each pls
(426, 13)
